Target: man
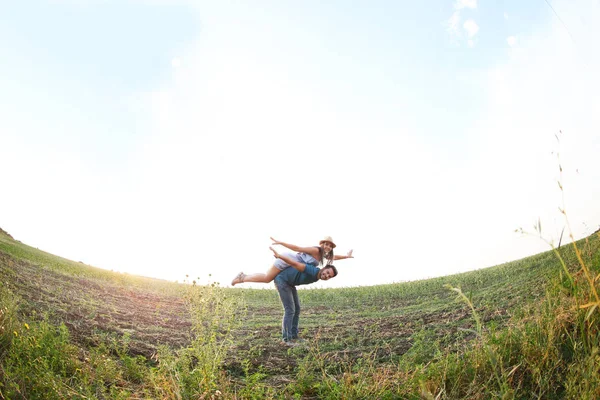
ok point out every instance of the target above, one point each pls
(286, 282)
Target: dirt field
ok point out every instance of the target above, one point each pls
(93, 309)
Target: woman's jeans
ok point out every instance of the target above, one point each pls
(291, 307)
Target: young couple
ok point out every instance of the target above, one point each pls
(292, 269)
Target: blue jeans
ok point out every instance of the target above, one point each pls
(291, 309)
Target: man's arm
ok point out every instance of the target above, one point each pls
(297, 265)
(340, 257)
(313, 251)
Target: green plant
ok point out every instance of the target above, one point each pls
(8, 319)
(40, 363)
(195, 370)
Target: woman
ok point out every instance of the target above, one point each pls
(316, 255)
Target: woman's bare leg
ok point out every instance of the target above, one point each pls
(263, 278)
(259, 277)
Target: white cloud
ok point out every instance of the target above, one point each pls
(453, 23)
(471, 27)
(505, 15)
(460, 4)
(546, 85)
(531, 97)
(176, 62)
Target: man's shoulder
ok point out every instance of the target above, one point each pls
(311, 270)
(287, 274)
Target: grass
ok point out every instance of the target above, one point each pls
(524, 329)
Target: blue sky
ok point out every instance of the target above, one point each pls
(167, 138)
(81, 60)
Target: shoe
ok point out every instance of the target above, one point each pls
(289, 343)
(238, 279)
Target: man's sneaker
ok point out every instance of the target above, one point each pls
(289, 343)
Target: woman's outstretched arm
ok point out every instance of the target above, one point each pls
(341, 257)
(313, 251)
(290, 261)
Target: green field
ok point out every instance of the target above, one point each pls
(524, 329)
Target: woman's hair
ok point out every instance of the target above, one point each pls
(322, 257)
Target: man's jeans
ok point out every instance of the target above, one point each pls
(291, 307)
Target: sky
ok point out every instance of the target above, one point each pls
(173, 138)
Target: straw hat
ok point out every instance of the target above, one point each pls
(327, 239)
